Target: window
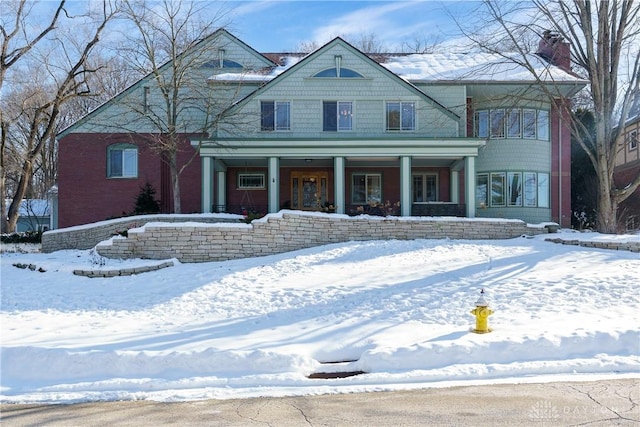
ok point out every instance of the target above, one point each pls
(122, 161)
(513, 124)
(482, 187)
(633, 140)
(275, 115)
(425, 187)
(339, 72)
(530, 189)
(250, 180)
(514, 188)
(543, 190)
(337, 116)
(401, 116)
(528, 123)
(497, 189)
(482, 124)
(497, 123)
(543, 125)
(367, 188)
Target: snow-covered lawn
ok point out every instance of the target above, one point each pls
(399, 310)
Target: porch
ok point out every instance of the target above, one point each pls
(428, 178)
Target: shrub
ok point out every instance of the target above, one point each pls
(145, 202)
(24, 237)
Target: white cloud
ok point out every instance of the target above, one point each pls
(378, 20)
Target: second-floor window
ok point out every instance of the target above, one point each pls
(337, 116)
(122, 161)
(512, 123)
(401, 116)
(275, 115)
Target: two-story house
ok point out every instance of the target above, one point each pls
(473, 135)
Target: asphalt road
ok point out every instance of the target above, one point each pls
(600, 403)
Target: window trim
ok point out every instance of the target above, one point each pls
(401, 117)
(482, 203)
(241, 186)
(633, 140)
(366, 175)
(423, 176)
(338, 73)
(123, 147)
(532, 123)
(337, 104)
(497, 131)
(275, 107)
(534, 189)
(546, 123)
(510, 189)
(509, 121)
(500, 178)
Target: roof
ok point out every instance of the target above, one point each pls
(437, 67)
(484, 67)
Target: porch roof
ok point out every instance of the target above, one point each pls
(365, 147)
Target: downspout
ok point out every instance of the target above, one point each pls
(560, 168)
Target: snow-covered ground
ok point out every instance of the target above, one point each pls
(399, 310)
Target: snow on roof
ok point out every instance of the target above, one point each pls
(286, 62)
(438, 67)
(475, 67)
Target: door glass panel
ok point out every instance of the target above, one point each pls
(309, 193)
(294, 193)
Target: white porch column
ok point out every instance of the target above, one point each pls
(274, 184)
(221, 189)
(405, 186)
(455, 186)
(338, 184)
(207, 184)
(470, 185)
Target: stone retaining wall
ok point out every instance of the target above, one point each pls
(619, 246)
(289, 231)
(89, 235)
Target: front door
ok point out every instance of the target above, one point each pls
(308, 190)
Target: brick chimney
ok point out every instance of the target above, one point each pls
(555, 50)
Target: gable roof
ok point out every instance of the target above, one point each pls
(291, 63)
(216, 34)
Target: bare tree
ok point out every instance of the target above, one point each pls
(59, 78)
(604, 36)
(168, 47)
(422, 44)
(17, 41)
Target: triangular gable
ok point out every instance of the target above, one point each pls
(320, 51)
(212, 38)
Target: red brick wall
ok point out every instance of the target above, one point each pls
(85, 194)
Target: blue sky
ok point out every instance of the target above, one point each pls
(279, 25)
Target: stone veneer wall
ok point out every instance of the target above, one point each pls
(289, 231)
(89, 235)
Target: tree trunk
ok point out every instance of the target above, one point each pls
(175, 182)
(14, 209)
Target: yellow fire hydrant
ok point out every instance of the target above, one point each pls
(482, 313)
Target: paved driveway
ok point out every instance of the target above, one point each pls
(600, 403)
